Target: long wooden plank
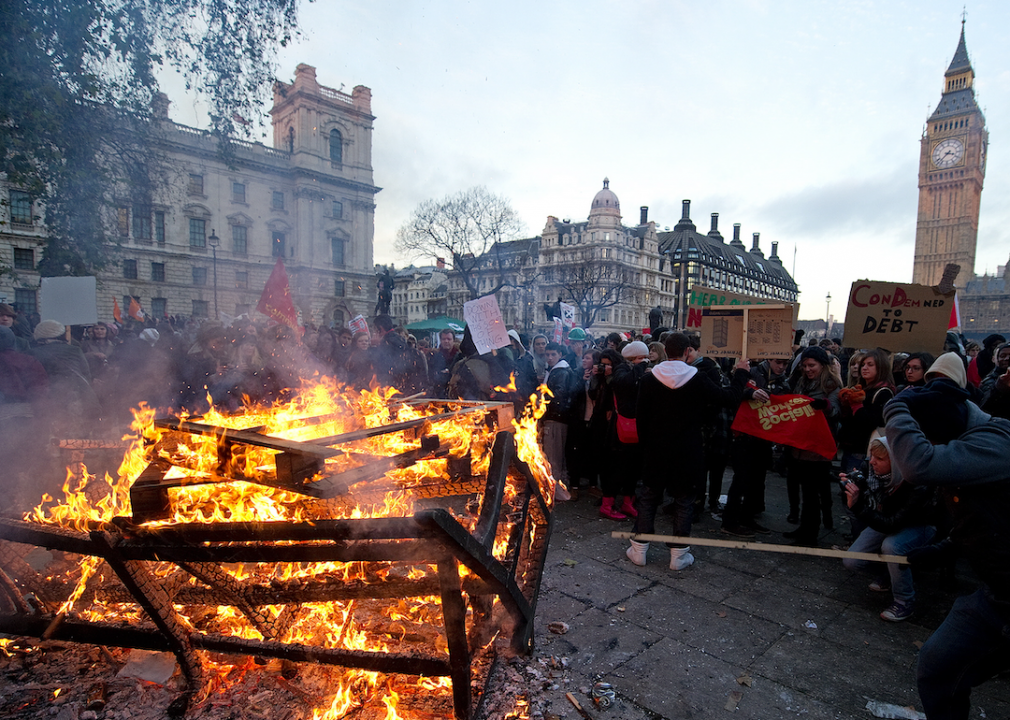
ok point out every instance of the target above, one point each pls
(761, 547)
(395, 427)
(249, 438)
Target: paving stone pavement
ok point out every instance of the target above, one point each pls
(802, 631)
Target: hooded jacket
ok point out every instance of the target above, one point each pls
(896, 505)
(973, 475)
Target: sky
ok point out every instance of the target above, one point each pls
(798, 120)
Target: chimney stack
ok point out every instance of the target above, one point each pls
(736, 241)
(714, 232)
(775, 251)
(756, 247)
(440, 263)
(644, 219)
(686, 212)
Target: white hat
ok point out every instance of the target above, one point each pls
(635, 349)
(150, 336)
(49, 330)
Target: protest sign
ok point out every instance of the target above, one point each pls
(69, 300)
(758, 332)
(701, 297)
(900, 317)
(567, 315)
(483, 317)
(787, 420)
(358, 324)
(558, 331)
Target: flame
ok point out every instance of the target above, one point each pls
(219, 487)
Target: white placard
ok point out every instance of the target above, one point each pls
(69, 300)
(358, 324)
(483, 317)
(568, 315)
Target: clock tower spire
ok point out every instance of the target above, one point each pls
(951, 172)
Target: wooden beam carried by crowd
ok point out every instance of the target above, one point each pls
(761, 547)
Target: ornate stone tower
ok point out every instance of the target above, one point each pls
(951, 171)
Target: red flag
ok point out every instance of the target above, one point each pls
(787, 420)
(955, 315)
(116, 312)
(135, 311)
(275, 302)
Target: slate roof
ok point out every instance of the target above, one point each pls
(960, 63)
(957, 102)
(987, 285)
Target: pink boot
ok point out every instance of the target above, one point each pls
(608, 510)
(628, 507)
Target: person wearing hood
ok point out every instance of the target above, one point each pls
(670, 398)
(972, 474)
(394, 362)
(897, 519)
(526, 374)
(560, 381)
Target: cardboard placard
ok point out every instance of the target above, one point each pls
(701, 297)
(358, 324)
(558, 331)
(69, 300)
(758, 332)
(899, 317)
(483, 317)
(568, 315)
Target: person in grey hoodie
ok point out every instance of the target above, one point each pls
(671, 398)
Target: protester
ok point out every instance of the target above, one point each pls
(863, 407)
(995, 388)
(587, 427)
(22, 377)
(440, 363)
(915, 368)
(715, 423)
(560, 382)
(623, 462)
(540, 357)
(525, 370)
(657, 353)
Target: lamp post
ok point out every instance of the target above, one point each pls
(214, 241)
(827, 316)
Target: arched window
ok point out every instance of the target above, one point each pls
(336, 146)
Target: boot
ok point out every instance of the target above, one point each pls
(636, 553)
(681, 558)
(628, 507)
(608, 510)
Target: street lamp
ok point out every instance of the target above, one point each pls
(214, 241)
(827, 316)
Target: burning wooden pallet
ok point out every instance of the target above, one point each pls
(478, 546)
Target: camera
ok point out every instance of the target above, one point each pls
(601, 368)
(855, 476)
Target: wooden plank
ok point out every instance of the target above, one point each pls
(396, 427)
(761, 547)
(248, 437)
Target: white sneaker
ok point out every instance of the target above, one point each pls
(637, 552)
(681, 558)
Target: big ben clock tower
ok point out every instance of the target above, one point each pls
(951, 171)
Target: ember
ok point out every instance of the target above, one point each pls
(397, 542)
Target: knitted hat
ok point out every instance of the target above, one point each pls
(817, 353)
(951, 366)
(150, 336)
(49, 329)
(635, 349)
(577, 334)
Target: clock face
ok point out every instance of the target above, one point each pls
(948, 153)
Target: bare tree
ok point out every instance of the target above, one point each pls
(593, 285)
(469, 230)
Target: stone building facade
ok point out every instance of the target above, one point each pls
(310, 200)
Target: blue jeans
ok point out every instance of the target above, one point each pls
(899, 543)
(970, 647)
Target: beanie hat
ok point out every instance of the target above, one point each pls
(577, 334)
(635, 349)
(815, 352)
(49, 329)
(150, 336)
(949, 365)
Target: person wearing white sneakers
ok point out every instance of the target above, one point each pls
(671, 397)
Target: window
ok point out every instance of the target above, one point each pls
(277, 203)
(238, 239)
(27, 301)
(130, 269)
(337, 248)
(159, 227)
(141, 222)
(197, 233)
(238, 192)
(21, 207)
(336, 146)
(338, 209)
(159, 307)
(123, 221)
(277, 244)
(339, 288)
(338, 318)
(158, 272)
(201, 308)
(195, 184)
(24, 259)
(241, 279)
(199, 276)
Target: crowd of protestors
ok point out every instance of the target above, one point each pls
(634, 420)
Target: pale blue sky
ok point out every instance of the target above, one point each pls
(799, 120)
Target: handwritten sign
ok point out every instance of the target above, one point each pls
(69, 300)
(567, 315)
(900, 317)
(701, 297)
(755, 332)
(358, 324)
(483, 317)
(558, 330)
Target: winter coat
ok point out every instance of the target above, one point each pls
(894, 505)
(813, 389)
(857, 426)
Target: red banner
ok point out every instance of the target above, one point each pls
(787, 420)
(275, 302)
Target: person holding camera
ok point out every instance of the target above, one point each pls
(898, 518)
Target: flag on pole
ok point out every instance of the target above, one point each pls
(275, 302)
(135, 310)
(117, 314)
(955, 315)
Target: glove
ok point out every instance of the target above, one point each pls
(932, 556)
(819, 404)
